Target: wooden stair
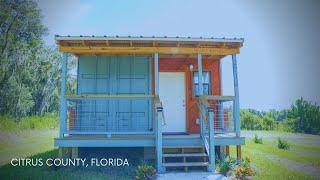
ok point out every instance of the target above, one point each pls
(186, 155)
(185, 164)
(185, 158)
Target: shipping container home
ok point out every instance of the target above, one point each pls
(163, 94)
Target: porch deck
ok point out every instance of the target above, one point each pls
(188, 140)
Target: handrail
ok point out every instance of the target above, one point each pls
(203, 106)
(158, 104)
(219, 98)
(107, 96)
(203, 102)
(206, 145)
(207, 124)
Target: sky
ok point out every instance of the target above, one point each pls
(278, 63)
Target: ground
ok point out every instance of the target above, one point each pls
(302, 161)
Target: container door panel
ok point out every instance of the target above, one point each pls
(114, 75)
(87, 75)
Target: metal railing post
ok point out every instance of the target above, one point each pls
(63, 101)
(159, 120)
(200, 91)
(211, 167)
(156, 73)
(236, 94)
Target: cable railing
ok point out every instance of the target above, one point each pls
(110, 114)
(223, 109)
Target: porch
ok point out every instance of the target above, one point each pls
(135, 140)
(179, 152)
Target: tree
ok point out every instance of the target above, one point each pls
(306, 115)
(249, 120)
(28, 69)
(268, 122)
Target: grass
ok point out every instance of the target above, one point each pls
(47, 121)
(33, 137)
(39, 144)
(270, 147)
(45, 172)
(266, 169)
(26, 143)
(304, 150)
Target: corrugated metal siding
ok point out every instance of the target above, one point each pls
(114, 75)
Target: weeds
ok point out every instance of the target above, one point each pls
(145, 172)
(283, 144)
(257, 140)
(226, 165)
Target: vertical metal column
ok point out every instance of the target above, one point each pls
(200, 83)
(236, 103)
(159, 120)
(220, 103)
(156, 74)
(200, 89)
(63, 101)
(211, 167)
(158, 116)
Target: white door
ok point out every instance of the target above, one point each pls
(172, 95)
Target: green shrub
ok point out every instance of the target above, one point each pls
(283, 144)
(250, 121)
(257, 140)
(287, 125)
(226, 165)
(268, 123)
(145, 172)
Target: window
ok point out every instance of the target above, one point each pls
(205, 82)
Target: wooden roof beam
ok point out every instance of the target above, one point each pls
(148, 50)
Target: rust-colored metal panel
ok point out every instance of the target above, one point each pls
(182, 65)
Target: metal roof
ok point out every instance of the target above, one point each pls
(148, 38)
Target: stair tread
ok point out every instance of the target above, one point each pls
(185, 155)
(183, 147)
(185, 164)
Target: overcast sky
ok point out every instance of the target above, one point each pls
(278, 63)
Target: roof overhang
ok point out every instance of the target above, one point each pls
(148, 45)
